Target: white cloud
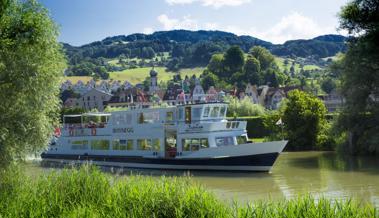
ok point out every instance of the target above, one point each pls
(148, 30)
(210, 3)
(293, 26)
(289, 27)
(185, 22)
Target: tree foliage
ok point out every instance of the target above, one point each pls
(304, 120)
(31, 64)
(360, 76)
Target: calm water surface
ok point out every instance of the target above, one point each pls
(318, 173)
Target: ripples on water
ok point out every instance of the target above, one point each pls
(322, 174)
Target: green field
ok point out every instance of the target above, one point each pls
(75, 79)
(138, 75)
(280, 62)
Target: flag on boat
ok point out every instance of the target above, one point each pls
(279, 122)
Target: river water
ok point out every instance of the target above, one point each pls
(321, 174)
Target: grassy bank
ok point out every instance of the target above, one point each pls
(88, 192)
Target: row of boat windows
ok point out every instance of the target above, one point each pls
(118, 144)
(153, 116)
(188, 144)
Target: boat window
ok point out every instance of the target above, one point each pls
(100, 145)
(241, 139)
(129, 144)
(144, 144)
(151, 117)
(186, 143)
(196, 113)
(141, 118)
(195, 147)
(222, 111)
(79, 145)
(169, 116)
(204, 143)
(194, 144)
(214, 111)
(156, 145)
(118, 145)
(206, 112)
(224, 141)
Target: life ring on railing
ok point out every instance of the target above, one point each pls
(93, 131)
(71, 131)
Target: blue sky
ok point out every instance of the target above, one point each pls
(85, 21)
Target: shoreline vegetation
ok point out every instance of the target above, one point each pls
(88, 192)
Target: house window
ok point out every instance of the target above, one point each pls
(88, 98)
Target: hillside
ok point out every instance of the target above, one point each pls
(181, 49)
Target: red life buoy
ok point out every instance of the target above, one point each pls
(93, 131)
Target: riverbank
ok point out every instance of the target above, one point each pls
(87, 192)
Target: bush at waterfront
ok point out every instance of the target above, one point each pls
(87, 192)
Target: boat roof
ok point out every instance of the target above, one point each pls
(93, 114)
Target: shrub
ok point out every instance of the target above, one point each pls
(87, 192)
(244, 107)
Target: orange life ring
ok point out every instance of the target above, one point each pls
(93, 131)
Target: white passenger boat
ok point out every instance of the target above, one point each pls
(186, 137)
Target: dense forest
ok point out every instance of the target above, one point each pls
(178, 49)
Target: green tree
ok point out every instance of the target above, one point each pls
(233, 60)
(216, 64)
(304, 120)
(208, 79)
(328, 85)
(359, 76)
(265, 58)
(31, 64)
(252, 71)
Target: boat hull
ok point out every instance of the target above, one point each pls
(245, 157)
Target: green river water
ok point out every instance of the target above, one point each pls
(321, 174)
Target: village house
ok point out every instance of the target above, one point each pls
(273, 98)
(126, 98)
(66, 85)
(71, 103)
(80, 88)
(332, 101)
(198, 93)
(251, 92)
(94, 98)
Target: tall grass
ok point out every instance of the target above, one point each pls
(87, 192)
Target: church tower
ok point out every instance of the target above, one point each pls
(153, 81)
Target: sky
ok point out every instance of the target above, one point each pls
(276, 21)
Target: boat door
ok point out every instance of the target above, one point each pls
(170, 144)
(187, 114)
